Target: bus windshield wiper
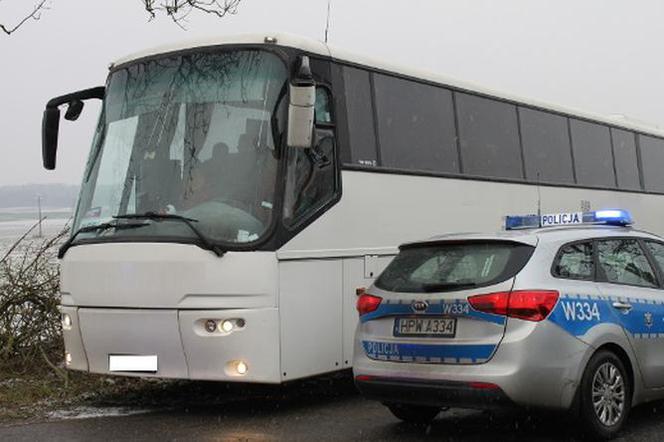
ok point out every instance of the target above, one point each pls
(441, 287)
(95, 228)
(154, 216)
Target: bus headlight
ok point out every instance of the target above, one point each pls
(237, 367)
(226, 326)
(66, 321)
(241, 367)
(210, 325)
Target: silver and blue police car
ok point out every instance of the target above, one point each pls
(561, 317)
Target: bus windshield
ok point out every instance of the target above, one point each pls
(191, 136)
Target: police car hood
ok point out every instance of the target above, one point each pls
(523, 237)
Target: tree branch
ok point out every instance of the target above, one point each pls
(179, 10)
(34, 15)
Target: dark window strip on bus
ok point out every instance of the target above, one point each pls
(586, 153)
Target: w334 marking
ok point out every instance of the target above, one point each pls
(581, 311)
(456, 309)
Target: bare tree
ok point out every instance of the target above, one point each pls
(177, 10)
(35, 14)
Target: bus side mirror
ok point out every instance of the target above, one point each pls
(51, 120)
(50, 126)
(74, 109)
(302, 98)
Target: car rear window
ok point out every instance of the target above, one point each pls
(449, 266)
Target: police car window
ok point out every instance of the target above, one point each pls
(445, 267)
(657, 250)
(623, 262)
(575, 261)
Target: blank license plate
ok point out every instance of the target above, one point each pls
(142, 363)
(426, 327)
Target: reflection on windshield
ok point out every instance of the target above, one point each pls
(188, 135)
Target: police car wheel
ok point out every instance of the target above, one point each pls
(415, 414)
(606, 395)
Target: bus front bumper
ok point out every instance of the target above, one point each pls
(181, 344)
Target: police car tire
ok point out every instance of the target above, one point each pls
(415, 414)
(592, 425)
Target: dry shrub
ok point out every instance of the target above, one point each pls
(30, 330)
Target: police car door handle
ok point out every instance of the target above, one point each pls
(625, 307)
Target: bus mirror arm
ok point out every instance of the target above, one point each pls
(51, 119)
(302, 98)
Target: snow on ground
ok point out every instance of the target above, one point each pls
(87, 412)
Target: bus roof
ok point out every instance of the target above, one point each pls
(317, 47)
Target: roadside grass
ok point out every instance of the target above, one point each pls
(32, 395)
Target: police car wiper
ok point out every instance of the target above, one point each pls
(441, 287)
(153, 216)
(95, 228)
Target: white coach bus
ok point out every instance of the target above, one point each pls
(239, 190)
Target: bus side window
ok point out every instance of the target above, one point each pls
(311, 180)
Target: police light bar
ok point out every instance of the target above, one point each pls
(613, 217)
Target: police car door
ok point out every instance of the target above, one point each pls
(626, 275)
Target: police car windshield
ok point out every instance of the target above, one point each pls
(453, 266)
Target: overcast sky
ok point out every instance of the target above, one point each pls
(604, 56)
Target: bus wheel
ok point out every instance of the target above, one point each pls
(414, 414)
(606, 395)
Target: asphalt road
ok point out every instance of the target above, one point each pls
(312, 410)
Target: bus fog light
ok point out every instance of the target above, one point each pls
(226, 326)
(241, 367)
(210, 325)
(66, 321)
(68, 358)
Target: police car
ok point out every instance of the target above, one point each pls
(561, 311)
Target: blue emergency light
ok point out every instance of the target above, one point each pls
(612, 217)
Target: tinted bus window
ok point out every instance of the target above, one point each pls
(489, 137)
(652, 160)
(415, 125)
(593, 159)
(546, 149)
(624, 154)
(360, 117)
